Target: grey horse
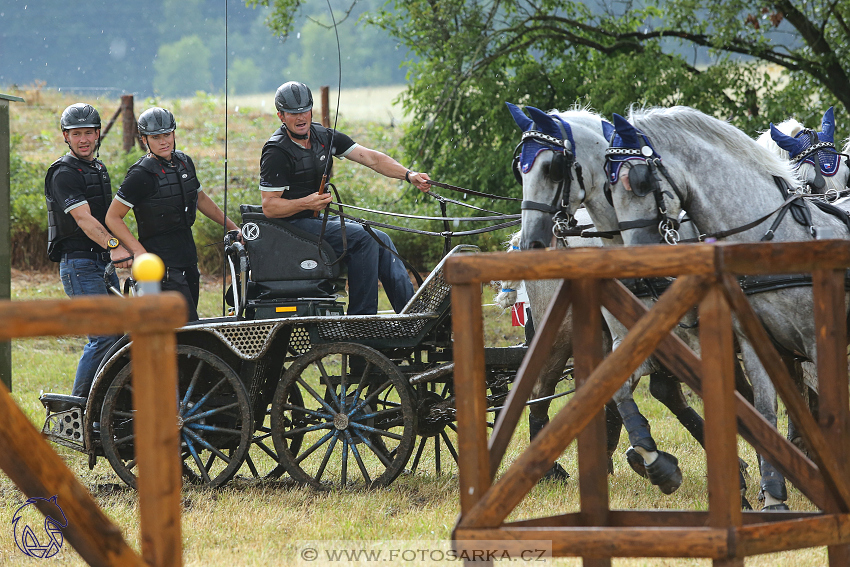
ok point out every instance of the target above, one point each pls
(665, 161)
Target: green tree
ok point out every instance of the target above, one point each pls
(183, 67)
(245, 77)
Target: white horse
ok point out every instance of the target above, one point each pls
(664, 161)
(546, 172)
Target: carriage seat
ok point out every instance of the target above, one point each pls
(285, 261)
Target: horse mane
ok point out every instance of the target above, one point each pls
(581, 116)
(790, 127)
(678, 125)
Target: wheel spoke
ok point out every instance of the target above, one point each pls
(437, 464)
(313, 447)
(343, 385)
(381, 456)
(344, 461)
(316, 396)
(124, 440)
(381, 432)
(378, 414)
(204, 399)
(251, 466)
(131, 465)
(327, 380)
(206, 444)
(191, 387)
(422, 441)
(128, 414)
(213, 428)
(302, 430)
(208, 413)
(328, 453)
(371, 397)
(197, 460)
(357, 458)
(449, 445)
(300, 409)
(265, 449)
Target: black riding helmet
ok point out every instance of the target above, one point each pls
(79, 115)
(293, 97)
(155, 121)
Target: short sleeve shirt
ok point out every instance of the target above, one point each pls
(68, 188)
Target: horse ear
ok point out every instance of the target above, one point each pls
(626, 131)
(791, 145)
(607, 130)
(524, 122)
(545, 122)
(827, 125)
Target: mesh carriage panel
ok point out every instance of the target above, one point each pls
(299, 340)
(247, 340)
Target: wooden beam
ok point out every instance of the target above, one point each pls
(157, 445)
(90, 315)
(657, 519)
(820, 451)
(825, 530)
(592, 457)
(35, 468)
(498, 502)
(718, 384)
(470, 395)
(753, 427)
(783, 257)
(528, 374)
(606, 542)
(577, 263)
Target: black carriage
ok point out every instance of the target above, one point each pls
(288, 383)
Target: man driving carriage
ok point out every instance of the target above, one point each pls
(292, 166)
(78, 192)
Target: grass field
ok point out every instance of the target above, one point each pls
(267, 523)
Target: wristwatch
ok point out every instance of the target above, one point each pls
(112, 243)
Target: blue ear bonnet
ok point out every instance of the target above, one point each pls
(800, 150)
(626, 143)
(548, 124)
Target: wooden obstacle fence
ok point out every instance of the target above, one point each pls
(38, 471)
(706, 276)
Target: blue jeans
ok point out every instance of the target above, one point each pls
(367, 262)
(82, 276)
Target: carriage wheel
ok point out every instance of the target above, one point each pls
(435, 403)
(214, 417)
(357, 422)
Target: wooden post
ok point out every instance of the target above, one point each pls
(828, 289)
(5, 229)
(129, 126)
(718, 390)
(326, 107)
(592, 458)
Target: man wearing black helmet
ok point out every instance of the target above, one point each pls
(165, 193)
(291, 168)
(78, 192)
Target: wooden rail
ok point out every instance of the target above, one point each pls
(706, 276)
(37, 470)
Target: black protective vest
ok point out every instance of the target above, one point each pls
(309, 165)
(174, 204)
(61, 225)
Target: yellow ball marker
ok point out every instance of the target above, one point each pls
(148, 271)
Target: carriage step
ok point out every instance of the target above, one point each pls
(60, 402)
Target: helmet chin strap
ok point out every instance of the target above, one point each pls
(297, 136)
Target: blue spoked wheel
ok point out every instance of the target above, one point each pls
(213, 414)
(357, 424)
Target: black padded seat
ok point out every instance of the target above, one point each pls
(60, 402)
(286, 262)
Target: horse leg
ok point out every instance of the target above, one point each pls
(667, 389)
(613, 426)
(772, 484)
(538, 415)
(662, 469)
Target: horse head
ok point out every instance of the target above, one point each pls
(643, 194)
(813, 155)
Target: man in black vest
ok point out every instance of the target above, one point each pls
(291, 168)
(78, 192)
(165, 194)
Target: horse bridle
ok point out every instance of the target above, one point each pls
(560, 172)
(819, 182)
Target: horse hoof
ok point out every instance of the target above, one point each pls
(665, 473)
(745, 504)
(636, 462)
(610, 465)
(556, 473)
(782, 507)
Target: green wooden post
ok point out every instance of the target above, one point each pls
(5, 229)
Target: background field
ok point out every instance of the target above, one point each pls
(248, 523)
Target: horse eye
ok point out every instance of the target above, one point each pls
(546, 167)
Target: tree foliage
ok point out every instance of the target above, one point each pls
(750, 62)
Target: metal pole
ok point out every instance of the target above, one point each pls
(5, 229)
